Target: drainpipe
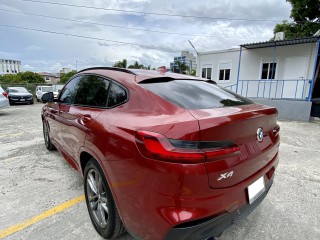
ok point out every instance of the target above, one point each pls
(314, 70)
(240, 55)
(272, 71)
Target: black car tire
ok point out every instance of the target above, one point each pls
(114, 227)
(38, 100)
(46, 135)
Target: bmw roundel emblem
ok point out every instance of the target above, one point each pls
(260, 134)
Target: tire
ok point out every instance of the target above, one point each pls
(46, 136)
(38, 99)
(100, 203)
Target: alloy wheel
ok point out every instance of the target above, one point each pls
(46, 134)
(98, 202)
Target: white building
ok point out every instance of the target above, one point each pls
(10, 66)
(65, 70)
(283, 69)
(187, 58)
(275, 69)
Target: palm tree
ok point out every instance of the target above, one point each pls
(136, 65)
(182, 67)
(121, 64)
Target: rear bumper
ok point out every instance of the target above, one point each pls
(214, 227)
(4, 104)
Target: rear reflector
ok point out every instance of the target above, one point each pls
(156, 146)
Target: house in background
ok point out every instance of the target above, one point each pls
(50, 78)
(280, 73)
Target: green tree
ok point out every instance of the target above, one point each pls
(22, 77)
(183, 68)
(121, 64)
(306, 17)
(64, 77)
(193, 72)
(30, 77)
(9, 78)
(137, 65)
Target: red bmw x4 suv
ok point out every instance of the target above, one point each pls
(163, 155)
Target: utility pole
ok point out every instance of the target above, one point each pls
(196, 52)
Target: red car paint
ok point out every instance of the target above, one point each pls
(153, 196)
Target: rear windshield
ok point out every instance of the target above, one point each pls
(192, 94)
(47, 89)
(18, 90)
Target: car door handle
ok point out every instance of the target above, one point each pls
(85, 118)
(52, 110)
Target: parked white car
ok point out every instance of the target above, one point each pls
(4, 101)
(40, 90)
(57, 89)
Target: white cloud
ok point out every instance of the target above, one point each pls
(34, 48)
(49, 52)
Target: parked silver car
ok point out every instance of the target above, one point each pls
(4, 101)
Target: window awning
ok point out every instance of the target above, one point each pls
(285, 42)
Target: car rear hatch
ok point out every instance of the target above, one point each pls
(241, 126)
(238, 136)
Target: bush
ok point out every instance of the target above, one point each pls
(23, 77)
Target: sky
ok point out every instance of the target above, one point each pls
(94, 35)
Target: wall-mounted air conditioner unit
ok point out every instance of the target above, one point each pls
(279, 36)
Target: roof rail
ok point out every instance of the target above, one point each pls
(108, 68)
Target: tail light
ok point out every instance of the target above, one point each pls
(276, 130)
(156, 146)
(5, 94)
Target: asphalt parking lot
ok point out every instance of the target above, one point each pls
(41, 196)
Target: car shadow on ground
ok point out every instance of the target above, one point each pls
(4, 113)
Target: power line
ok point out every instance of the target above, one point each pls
(115, 26)
(151, 13)
(91, 38)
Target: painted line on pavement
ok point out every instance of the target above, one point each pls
(16, 228)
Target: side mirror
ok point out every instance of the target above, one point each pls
(47, 97)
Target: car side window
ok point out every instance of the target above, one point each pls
(117, 96)
(92, 91)
(98, 92)
(70, 90)
(82, 91)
